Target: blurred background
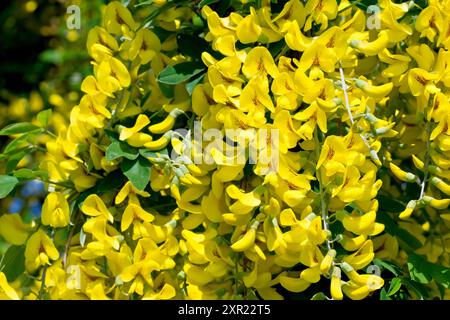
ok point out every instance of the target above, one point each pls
(42, 64)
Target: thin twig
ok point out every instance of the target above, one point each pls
(69, 238)
(42, 289)
(427, 159)
(323, 205)
(373, 153)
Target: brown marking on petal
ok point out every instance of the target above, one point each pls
(119, 18)
(330, 154)
(242, 124)
(316, 61)
(432, 24)
(209, 100)
(225, 79)
(347, 180)
(331, 43)
(260, 65)
(322, 94)
(293, 186)
(144, 46)
(286, 84)
(421, 80)
(101, 41)
(319, 5)
(255, 101)
(93, 110)
(436, 104)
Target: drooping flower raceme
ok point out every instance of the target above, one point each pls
(348, 119)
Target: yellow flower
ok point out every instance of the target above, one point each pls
(362, 257)
(39, 251)
(398, 64)
(259, 62)
(145, 45)
(101, 44)
(313, 115)
(219, 27)
(293, 11)
(107, 238)
(167, 292)
(335, 155)
(94, 206)
(141, 122)
(320, 11)
(131, 192)
(96, 290)
(248, 29)
(55, 210)
(13, 229)
(422, 82)
(430, 23)
(112, 76)
(318, 55)
(132, 212)
(118, 20)
(254, 100)
(6, 291)
(245, 202)
(92, 113)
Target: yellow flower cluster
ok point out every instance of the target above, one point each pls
(343, 103)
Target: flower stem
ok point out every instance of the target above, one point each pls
(323, 203)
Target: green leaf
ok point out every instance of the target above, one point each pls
(198, 23)
(161, 9)
(13, 264)
(179, 73)
(167, 90)
(276, 47)
(418, 274)
(44, 116)
(222, 7)
(24, 173)
(191, 45)
(363, 4)
(191, 85)
(137, 171)
(395, 285)
(319, 296)
(395, 270)
(21, 142)
(7, 184)
(82, 238)
(111, 183)
(389, 204)
(442, 290)
(152, 154)
(112, 135)
(14, 160)
(28, 174)
(420, 290)
(162, 34)
(384, 295)
(391, 227)
(120, 149)
(148, 2)
(15, 128)
(52, 56)
(206, 3)
(423, 271)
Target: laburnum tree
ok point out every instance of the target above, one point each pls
(355, 208)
